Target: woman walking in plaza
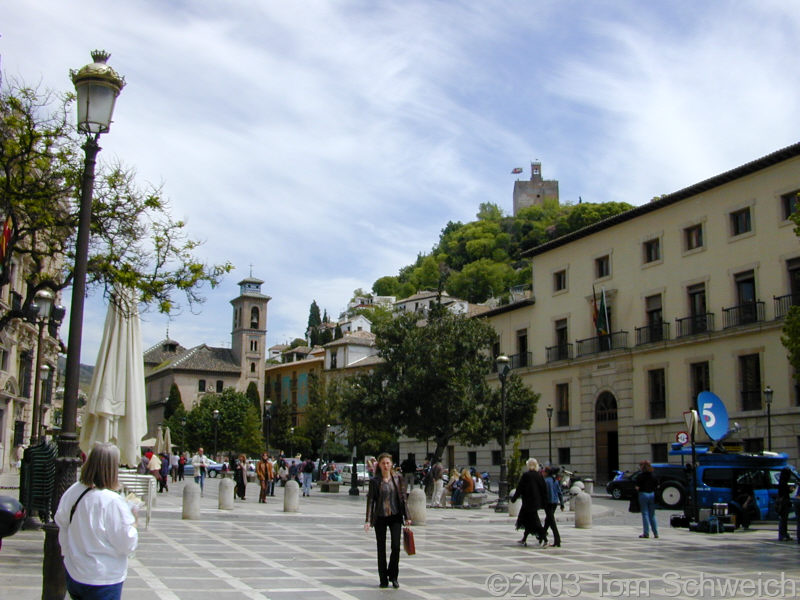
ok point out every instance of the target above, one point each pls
(646, 488)
(554, 498)
(533, 491)
(97, 529)
(386, 509)
(240, 476)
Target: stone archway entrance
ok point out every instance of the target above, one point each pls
(606, 436)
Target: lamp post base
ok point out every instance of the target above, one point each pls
(502, 496)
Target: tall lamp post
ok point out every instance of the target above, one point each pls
(502, 372)
(550, 434)
(267, 422)
(215, 415)
(768, 400)
(97, 86)
(44, 305)
(291, 441)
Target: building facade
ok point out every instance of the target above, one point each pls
(633, 316)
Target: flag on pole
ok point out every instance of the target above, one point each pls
(516, 171)
(5, 239)
(602, 317)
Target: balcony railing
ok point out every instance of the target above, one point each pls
(750, 312)
(603, 343)
(559, 352)
(694, 324)
(655, 332)
(523, 359)
(784, 303)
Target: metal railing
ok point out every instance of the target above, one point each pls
(559, 352)
(617, 340)
(784, 303)
(655, 332)
(694, 324)
(523, 359)
(750, 312)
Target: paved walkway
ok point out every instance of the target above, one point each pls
(259, 552)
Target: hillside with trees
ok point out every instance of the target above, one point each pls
(483, 259)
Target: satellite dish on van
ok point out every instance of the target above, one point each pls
(713, 415)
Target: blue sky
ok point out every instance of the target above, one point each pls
(327, 143)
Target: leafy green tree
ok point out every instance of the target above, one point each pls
(134, 241)
(173, 401)
(482, 279)
(386, 286)
(337, 333)
(177, 428)
(238, 428)
(252, 394)
(521, 404)
(321, 411)
(280, 425)
(489, 211)
(365, 414)
(435, 377)
(326, 336)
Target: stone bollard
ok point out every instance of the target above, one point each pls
(416, 507)
(191, 501)
(513, 507)
(583, 511)
(226, 494)
(291, 497)
(589, 483)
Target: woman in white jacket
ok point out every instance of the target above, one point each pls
(97, 530)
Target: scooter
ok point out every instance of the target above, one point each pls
(485, 477)
(568, 479)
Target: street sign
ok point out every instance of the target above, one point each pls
(690, 418)
(713, 415)
(682, 437)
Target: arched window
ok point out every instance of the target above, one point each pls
(606, 409)
(252, 367)
(254, 318)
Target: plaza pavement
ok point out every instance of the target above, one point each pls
(257, 552)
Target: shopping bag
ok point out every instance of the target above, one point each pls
(634, 505)
(408, 541)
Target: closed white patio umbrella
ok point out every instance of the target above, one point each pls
(116, 409)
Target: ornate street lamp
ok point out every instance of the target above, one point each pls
(215, 415)
(44, 300)
(550, 433)
(768, 400)
(502, 372)
(267, 422)
(97, 86)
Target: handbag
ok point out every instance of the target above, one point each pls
(634, 504)
(408, 541)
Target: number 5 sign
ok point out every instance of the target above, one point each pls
(713, 415)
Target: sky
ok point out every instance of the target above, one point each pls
(328, 143)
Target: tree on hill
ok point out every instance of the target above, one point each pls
(314, 321)
(134, 241)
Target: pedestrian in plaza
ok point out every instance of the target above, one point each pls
(240, 475)
(437, 474)
(264, 474)
(409, 469)
(154, 468)
(97, 530)
(162, 483)
(646, 487)
(533, 491)
(283, 473)
(554, 498)
(174, 461)
(181, 466)
(466, 485)
(274, 478)
(307, 472)
(783, 505)
(200, 463)
(386, 509)
(427, 479)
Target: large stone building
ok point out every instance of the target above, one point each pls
(535, 191)
(696, 285)
(202, 369)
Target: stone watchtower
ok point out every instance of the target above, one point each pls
(249, 335)
(535, 191)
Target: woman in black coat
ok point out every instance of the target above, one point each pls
(533, 491)
(386, 508)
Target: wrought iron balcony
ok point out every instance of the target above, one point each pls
(750, 312)
(523, 359)
(784, 303)
(695, 324)
(655, 332)
(617, 340)
(559, 352)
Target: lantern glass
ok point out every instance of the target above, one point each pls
(96, 101)
(44, 303)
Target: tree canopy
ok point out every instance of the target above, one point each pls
(134, 241)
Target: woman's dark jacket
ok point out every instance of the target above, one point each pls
(646, 482)
(532, 489)
(374, 493)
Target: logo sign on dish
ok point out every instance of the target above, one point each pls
(713, 415)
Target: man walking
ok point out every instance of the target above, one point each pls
(409, 468)
(308, 471)
(200, 462)
(264, 474)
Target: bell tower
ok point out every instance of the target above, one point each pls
(249, 333)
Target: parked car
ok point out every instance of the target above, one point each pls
(361, 473)
(212, 470)
(672, 483)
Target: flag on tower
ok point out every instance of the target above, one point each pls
(516, 171)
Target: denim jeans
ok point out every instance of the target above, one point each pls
(307, 484)
(83, 591)
(200, 480)
(647, 501)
